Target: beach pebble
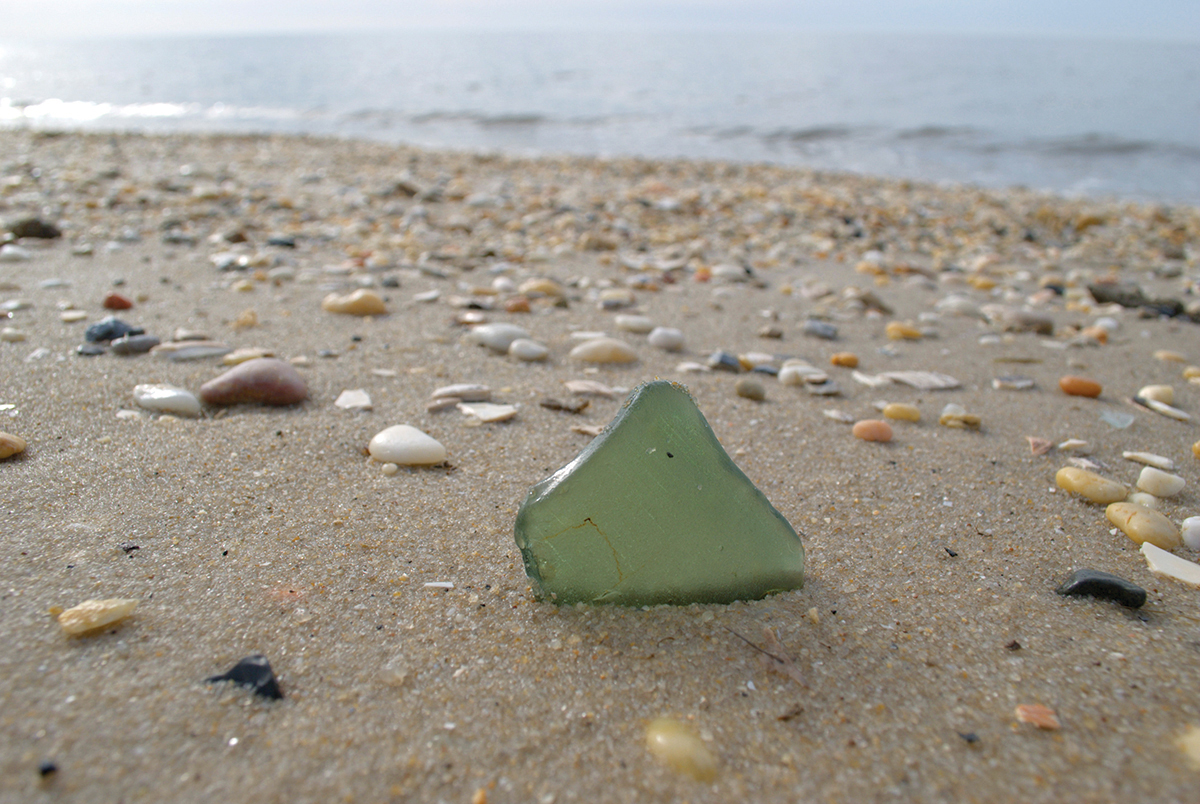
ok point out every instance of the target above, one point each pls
(1041, 716)
(604, 350)
(1159, 393)
(1104, 585)
(255, 673)
(898, 331)
(673, 744)
(247, 353)
(162, 398)
(797, 372)
(1143, 498)
(819, 329)
(955, 415)
(12, 335)
(638, 324)
(1079, 386)
(872, 430)
(356, 399)
(897, 410)
(844, 359)
(264, 380)
(115, 301)
(10, 252)
(71, 316)
(723, 361)
(528, 350)
(1090, 485)
(488, 411)
(1012, 382)
(360, 302)
(90, 349)
(666, 338)
(750, 388)
(1143, 525)
(181, 351)
(497, 337)
(1168, 356)
(540, 287)
(108, 329)
(133, 344)
(1189, 531)
(1150, 459)
(1159, 483)
(11, 445)
(407, 446)
(92, 614)
(1172, 566)
(615, 298)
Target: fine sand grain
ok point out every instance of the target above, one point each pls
(929, 612)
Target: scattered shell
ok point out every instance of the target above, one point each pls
(1167, 356)
(955, 415)
(356, 399)
(406, 446)
(1161, 562)
(1039, 446)
(1076, 445)
(242, 355)
(1159, 393)
(11, 445)
(1165, 409)
(92, 614)
(1041, 716)
(838, 416)
(528, 350)
(163, 398)
(1143, 525)
(924, 380)
(464, 392)
(676, 746)
(604, 350)
(873, 430)
(1159, 483)
(360, 302)
(1090, 485)
(1012, 382)
(1189, 531)
(180, 351)
(666, 338)
(591, 388)
(1150, 459)
(1079, 386)
(871, 381)
(488, 411)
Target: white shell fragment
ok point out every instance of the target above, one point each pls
(1189, 531)
(464, 392)
(637, 324)
(668, 339)
(924, 380)
(590, 388)
(179, 351)
(406, 445)
(604, 350)
(1160, 483)
(497, 337)
(1166, 410)
(92, 614)
(1150, 459)
(528, 350)
(162, 398)
(871, 380)
(488, 412)
(357, 399)
(1172, 566)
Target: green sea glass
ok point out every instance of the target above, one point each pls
(654, 511)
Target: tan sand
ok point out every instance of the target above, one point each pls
(929, 612)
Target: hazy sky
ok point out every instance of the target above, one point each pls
(1170, 19)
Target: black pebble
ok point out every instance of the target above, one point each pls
(253, 672)
(282, 242)
(724, 361)
(1093, 583)
(390, 282)
(37, 228)
(89, 349)
(106, 329)
(47, 768)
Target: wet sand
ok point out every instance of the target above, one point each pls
(928, 614)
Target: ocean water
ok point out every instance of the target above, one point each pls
(1079, 117)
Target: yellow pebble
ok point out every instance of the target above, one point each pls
(897, 331)
(92, 614)
(1191, 373)
(844, 359)
(1167, 356)
(897, 410)
(1090, 485)
(1142, 525)
(675, 745)
(981, 282)
(1196, 449)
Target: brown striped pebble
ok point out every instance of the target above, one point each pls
(1079, 386)
(844, 359)
(1196, 449)
(898, 410)
(1142, 525)
(873, 430)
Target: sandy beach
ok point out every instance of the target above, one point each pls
(928, 613)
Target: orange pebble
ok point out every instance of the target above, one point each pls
(873, 430)
(1098, 334)
(115, 301)
(1079, 386)
(517, 304)
(897, 331)
(845, 359)
(1041, 716)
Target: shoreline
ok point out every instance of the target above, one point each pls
(264, 530)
